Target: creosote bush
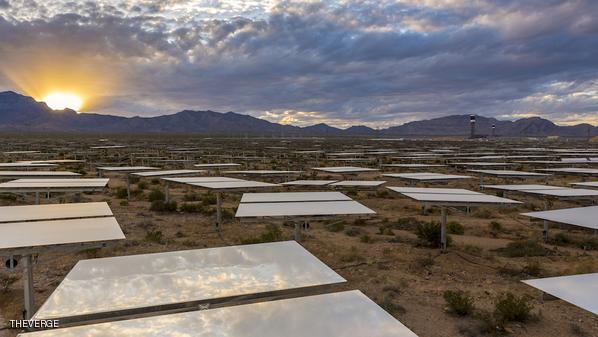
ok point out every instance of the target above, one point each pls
(161, 206)
(523, 249)
(429, 234)
(459, 302)
(271, 233)
(454, 227)
(156, 195)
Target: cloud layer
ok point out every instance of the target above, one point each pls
(376, 62)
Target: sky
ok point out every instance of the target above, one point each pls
(377, 63)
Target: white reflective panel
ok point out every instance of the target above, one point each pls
(151, 280)
(522, 187)
(460, 198)
(483, 164)
(309, 182)
(565, 192)
(579, 290)
(293, 197)
(509, 173)
(589, 184)
(217, 165)
(55, 183)
(54, 211)
(35, 174)
(303, 208)
(126, 168)
(57, 161)
(25, 165)
(344, 169)
(359, 183)
(166, 173)
(572, 170)
(346, 314)
(579, 216)
(432, 190)
(58, 232)
(226, 185)
(425, 176)
(188, 180)
(414, 165)
(263, 172)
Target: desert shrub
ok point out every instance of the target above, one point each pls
(155, 236)
(388, 303)
(353, 231)
(561, 239)
(359, 222)
(161, 206)
(495, 226)
(352, 193)
(124, 203)
(335, 227)
(365, 239)
(409, 223)
(191, 208)
(589, 244)
(424, 262)
(6, 280)
(142, 185)
(8, 197)
(511, 308)
(227, 214)
(524, 248)
(352, 256)
(191, 197)
(429, 234)
(483, 213)
(208, 199)
(155, 181)
(385, 230)
(454, 227)
(533, 268)
(134, 179)
(382, 193)
(121, 193)
(156, 195)
(270, 234)
(459, 302)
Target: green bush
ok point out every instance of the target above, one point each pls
(142, 185)
(208, 199)
(589, 244)
(335, 227)
(524, 248)
(353, 231)
(429, 234)
(121, 193)
(454, 227)
(6, 280)
(510, 308)
(161, 206)
(156, 195)
(154, 236)
(365, 239)
(191, 208)
(271, 233)
(459, 302)
(191, 197)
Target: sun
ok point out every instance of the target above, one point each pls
(63, 100)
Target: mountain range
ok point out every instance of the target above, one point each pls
(19, 113)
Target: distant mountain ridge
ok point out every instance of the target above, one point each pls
(20, 113)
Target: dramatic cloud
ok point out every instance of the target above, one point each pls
(377, 63)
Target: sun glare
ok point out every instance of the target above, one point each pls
(63, 100)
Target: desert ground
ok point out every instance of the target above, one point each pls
(382, 255)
